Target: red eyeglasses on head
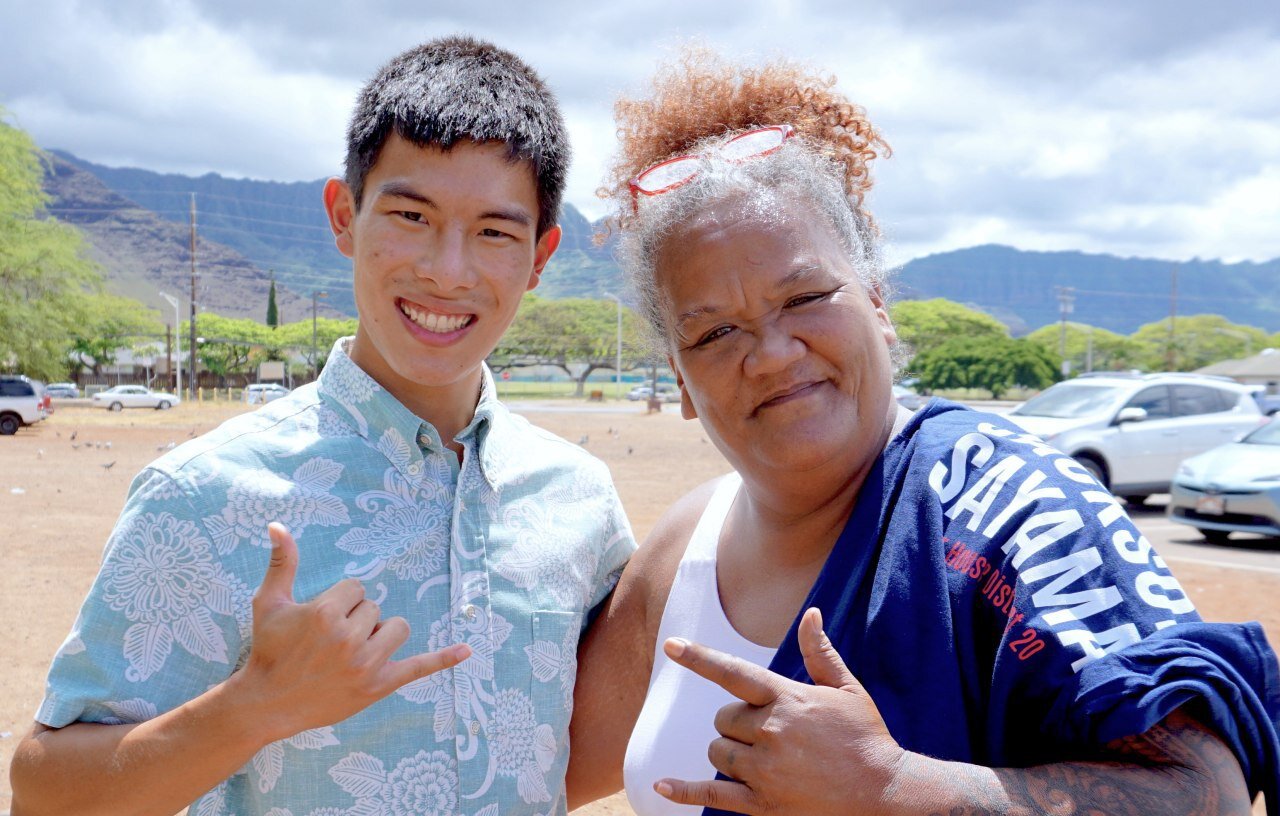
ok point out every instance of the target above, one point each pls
(667, 175)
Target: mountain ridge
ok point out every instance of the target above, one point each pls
(256, 228)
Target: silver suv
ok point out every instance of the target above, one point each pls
(1132, 431)
(22, 402)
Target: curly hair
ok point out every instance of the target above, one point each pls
(702, 96)
(699, 101)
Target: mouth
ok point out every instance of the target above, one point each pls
(791, 393)
(432, 322)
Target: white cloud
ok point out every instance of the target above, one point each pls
(1147, 128)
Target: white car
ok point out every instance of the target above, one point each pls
(134, 396)
(1132, 431)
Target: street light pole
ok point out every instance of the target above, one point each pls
(177, 337)
(315, 302)
(617, 364)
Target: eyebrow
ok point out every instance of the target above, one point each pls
(792, 277)
(399, 189)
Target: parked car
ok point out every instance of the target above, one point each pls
(23, 401)
(666, 392)
(260, 393)
(134, 396)
(62, 390)
(907, 398)
(1232, 488)
(1268, 403)
(1132, 431)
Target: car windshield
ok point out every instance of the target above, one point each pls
(1068, 400)
(1268, 434)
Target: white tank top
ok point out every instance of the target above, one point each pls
(676, 724)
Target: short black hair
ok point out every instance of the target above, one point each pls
(460, 88)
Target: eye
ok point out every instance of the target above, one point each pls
(410, 215)
(712, 336)
(490, 232)
(811, 297)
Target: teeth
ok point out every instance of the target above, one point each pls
(432, 322)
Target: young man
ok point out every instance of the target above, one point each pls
(412, 492)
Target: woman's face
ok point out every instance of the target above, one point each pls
(777, 346)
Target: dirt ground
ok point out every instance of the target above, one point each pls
(59, 497)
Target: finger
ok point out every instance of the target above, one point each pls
(363, 620)
(400, 672)
(342, 598)
(743, 680)
(731, 758)
(282, 569)
(821, 659)
(713, 793)
(742, 721)
(387, 636)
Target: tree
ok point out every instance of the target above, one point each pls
(926, 324)
(273, 313)
(576, 335)
(297, 337)
(231, 345)
(1196, 341)
(996, 364)
(112, 323)
(44, 271)
(1111, 351)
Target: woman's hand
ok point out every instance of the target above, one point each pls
(790, 747)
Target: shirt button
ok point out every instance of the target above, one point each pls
(415, 469)
(475, 727)
(470, 611)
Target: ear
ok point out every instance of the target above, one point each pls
(687, 411)
(340, 205)
(882, 316)
(542, 252)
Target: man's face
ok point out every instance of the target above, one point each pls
(443, 248)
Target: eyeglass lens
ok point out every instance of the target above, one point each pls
(659, 178)
(752, 144)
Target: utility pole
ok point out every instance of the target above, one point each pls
(168, 352)
(1088, 355)
(177, 336)
(1169, 354)
(191, 369)
(1066, 305)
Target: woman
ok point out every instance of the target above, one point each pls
(999, 637)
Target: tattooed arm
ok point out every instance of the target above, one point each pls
(1177, 767)
(824, 749)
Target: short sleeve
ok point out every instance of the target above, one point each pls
(163, 621)
(617, 544)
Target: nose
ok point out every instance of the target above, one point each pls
(447, 262)
(774, 350)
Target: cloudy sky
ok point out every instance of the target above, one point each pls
(1137, 128)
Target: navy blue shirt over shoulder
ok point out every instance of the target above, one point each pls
(1001, 609)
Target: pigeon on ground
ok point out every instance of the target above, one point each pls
(107, 466)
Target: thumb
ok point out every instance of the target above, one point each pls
(821, 659)
(283, 567)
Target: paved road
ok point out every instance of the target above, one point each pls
(1178, 542)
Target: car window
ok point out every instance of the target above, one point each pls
(15, 388)
(1198, 399)
(1067, 400)
(1153, 400)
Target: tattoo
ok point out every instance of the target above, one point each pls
(1176, 767)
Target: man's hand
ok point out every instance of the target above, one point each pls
(782, 743)
(317, 663)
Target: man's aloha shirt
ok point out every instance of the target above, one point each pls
(506, 552)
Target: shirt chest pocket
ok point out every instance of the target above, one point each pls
(553, 664)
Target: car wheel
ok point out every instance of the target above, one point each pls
(163, 406)
(1095, 468)
(1219, 537)
(1135, 500)
(115, 406)
(9, 425)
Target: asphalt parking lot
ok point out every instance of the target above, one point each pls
(1179, 542)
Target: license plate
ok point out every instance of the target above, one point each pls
(1211, 505)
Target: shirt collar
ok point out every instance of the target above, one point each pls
(372, 411)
